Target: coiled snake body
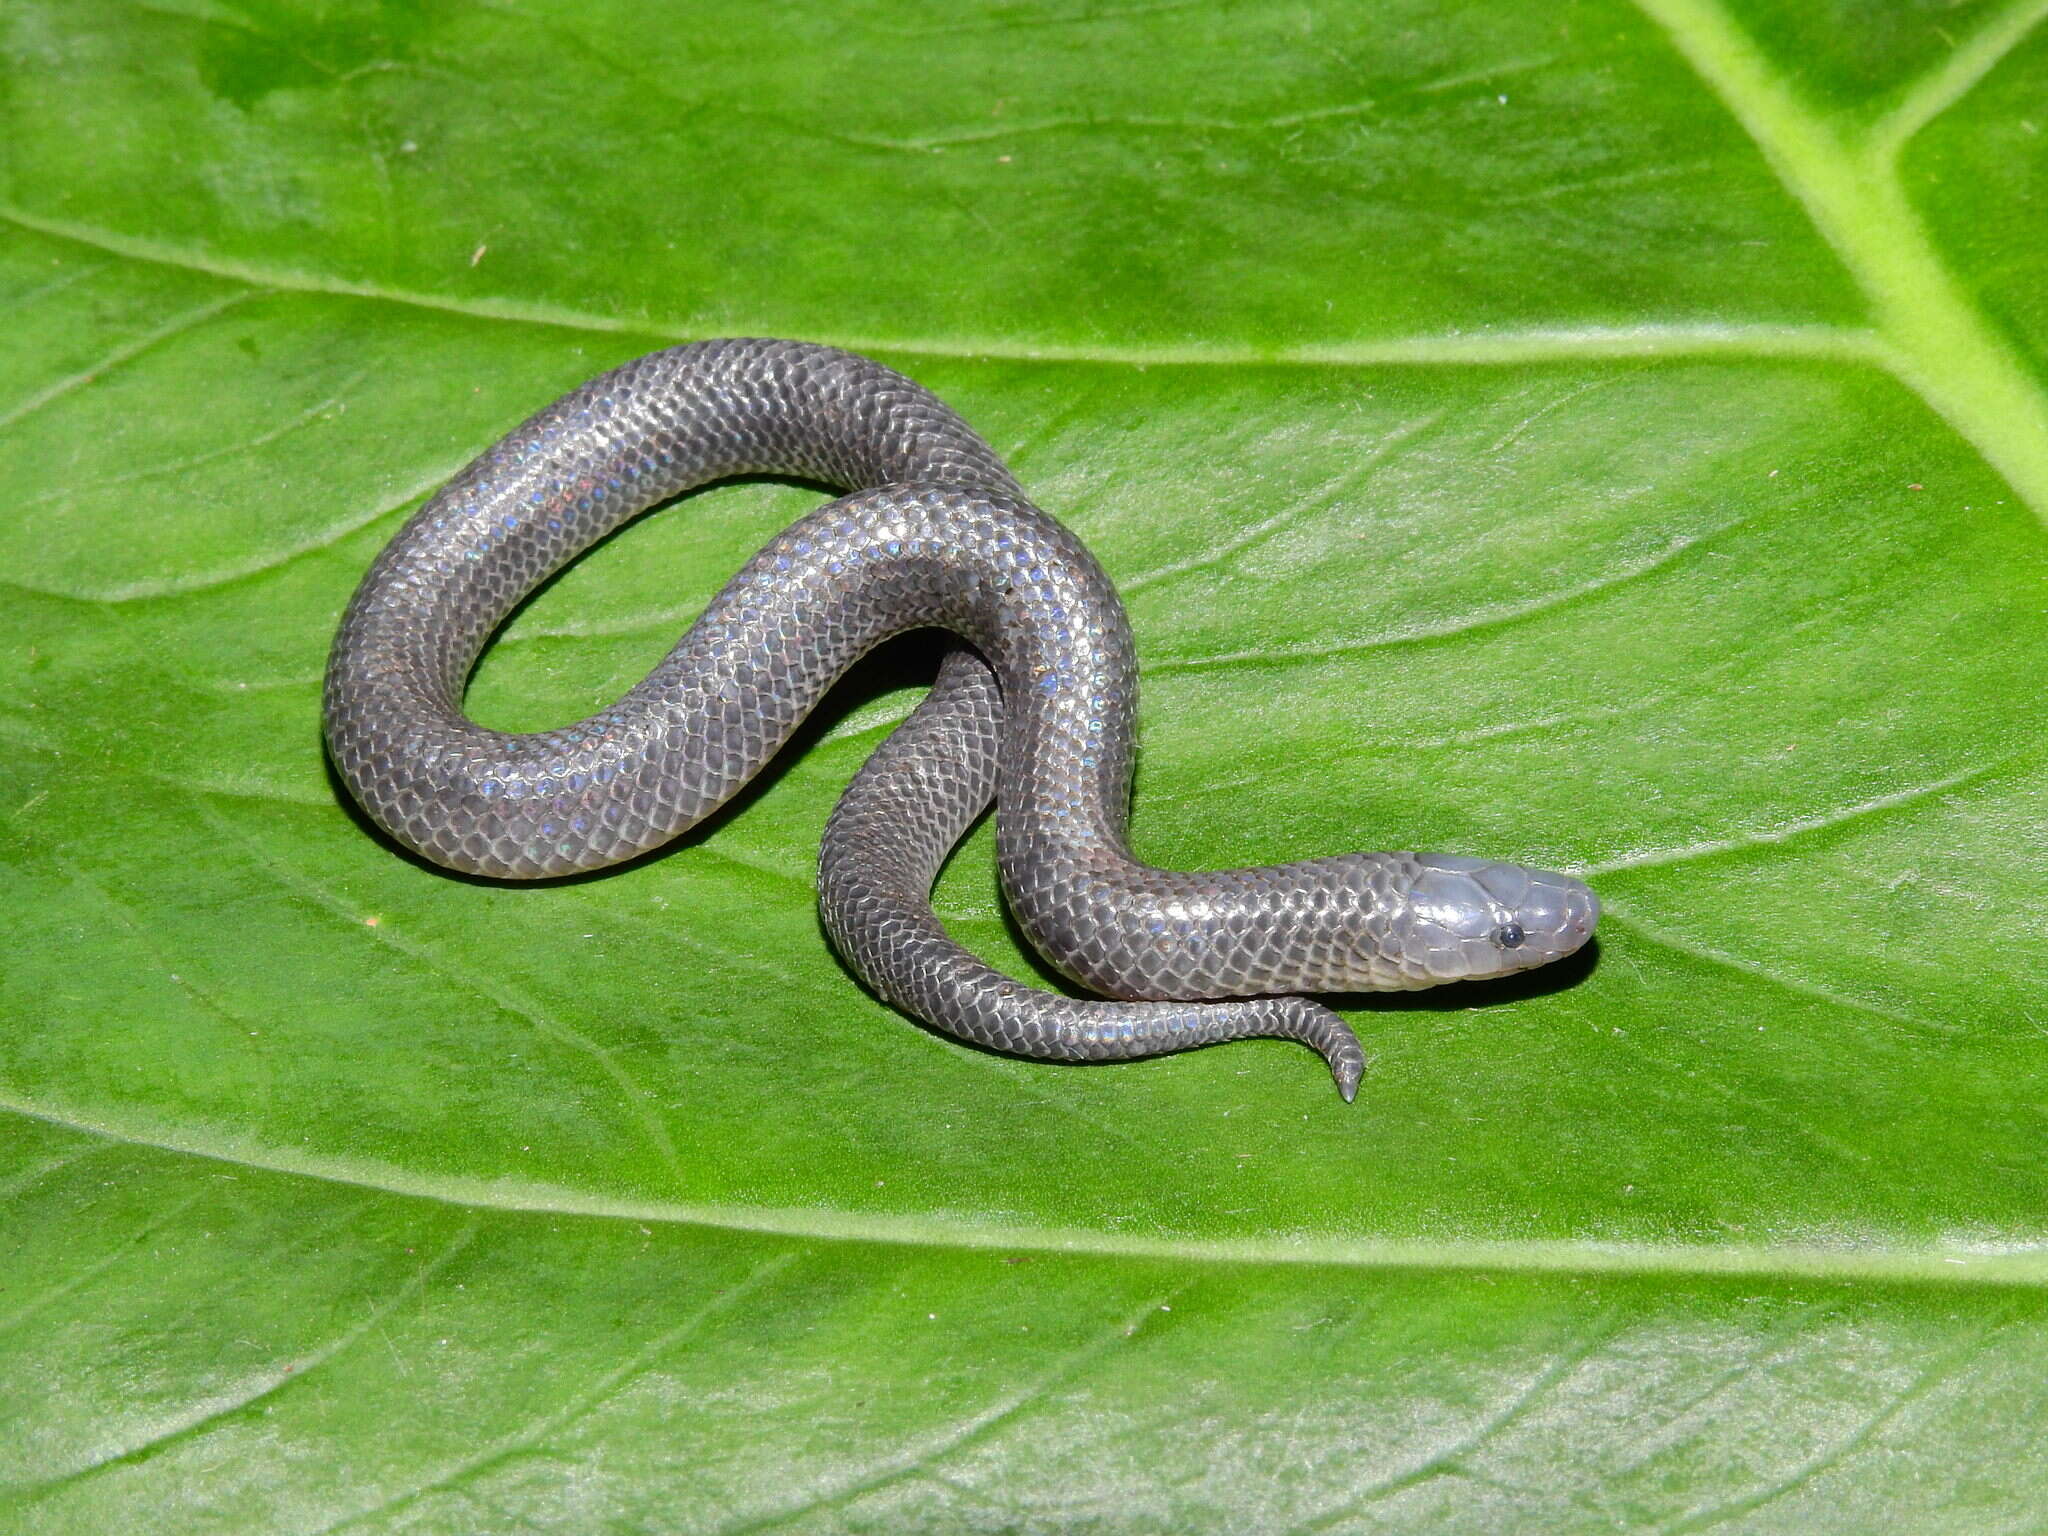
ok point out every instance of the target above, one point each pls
(1038, 715)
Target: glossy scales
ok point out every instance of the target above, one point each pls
(935, 532)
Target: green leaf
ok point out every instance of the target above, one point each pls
(1608, 436)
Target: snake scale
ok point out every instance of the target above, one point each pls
(1035, 711)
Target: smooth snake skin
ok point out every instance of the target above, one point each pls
(935, 531)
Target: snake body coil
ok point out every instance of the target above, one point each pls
(934, 532)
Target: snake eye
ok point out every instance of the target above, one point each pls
(1509, 936)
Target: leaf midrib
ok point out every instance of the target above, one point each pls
(2021, 1266)
(1930, 335)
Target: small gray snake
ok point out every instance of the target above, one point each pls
(1038, 715)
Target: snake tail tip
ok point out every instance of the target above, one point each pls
(1348, 1069)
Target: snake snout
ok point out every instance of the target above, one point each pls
(1469, 919)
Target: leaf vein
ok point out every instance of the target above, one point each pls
(975, 1427)
(1943, 1367)
(578, 1405)
(1354, 474)
(1878, 805)
(1954, 77)
(1751, 968)
(1559, 1369)
(178, 324)
(1932, 334)
(1487, 348)
(2022, 1263)
(58, 1290)
(637, 1096)
(1497, 616)
(214, 1412)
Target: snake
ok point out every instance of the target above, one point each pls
(1033, 709)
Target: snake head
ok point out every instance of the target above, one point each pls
(1468, 919)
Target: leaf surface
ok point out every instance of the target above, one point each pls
(1606, 436)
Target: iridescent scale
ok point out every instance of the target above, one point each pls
(1039, 715)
